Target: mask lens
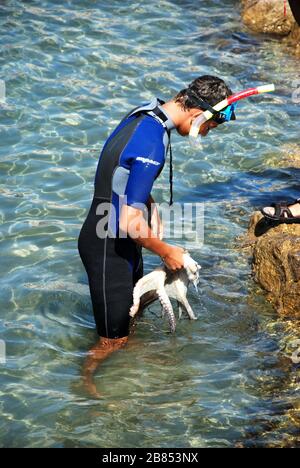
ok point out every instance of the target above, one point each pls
(226, 115)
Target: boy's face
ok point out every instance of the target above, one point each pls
(184, 128)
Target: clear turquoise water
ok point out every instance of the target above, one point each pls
(72, 69)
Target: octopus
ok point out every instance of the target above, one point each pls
(163, 285)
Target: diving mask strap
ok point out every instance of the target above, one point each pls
(201, 103)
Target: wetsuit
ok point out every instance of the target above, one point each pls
(131, 159)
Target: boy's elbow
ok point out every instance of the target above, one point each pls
(132, 223)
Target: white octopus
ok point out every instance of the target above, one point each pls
(162, 284)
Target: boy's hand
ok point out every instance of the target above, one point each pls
(174, 258)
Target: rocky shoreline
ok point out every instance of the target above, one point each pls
(276, 251)
(276, 263)
(271, 17)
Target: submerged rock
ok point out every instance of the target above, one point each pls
(289, 157)
(276, 263)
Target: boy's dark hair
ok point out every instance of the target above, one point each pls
(209, 88)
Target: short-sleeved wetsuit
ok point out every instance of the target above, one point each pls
(131, 159)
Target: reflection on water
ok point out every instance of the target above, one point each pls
(71, 71)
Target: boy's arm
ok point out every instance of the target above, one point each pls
(155, 221)
(133, 223)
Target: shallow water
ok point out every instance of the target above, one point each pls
(71, 72)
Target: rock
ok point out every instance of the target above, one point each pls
(276, 263)
(267, 16)
(293, 39)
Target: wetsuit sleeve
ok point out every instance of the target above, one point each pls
(141, 180)
(146, 164)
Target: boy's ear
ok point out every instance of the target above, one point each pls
(196, 113)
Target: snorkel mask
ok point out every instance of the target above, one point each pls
(226, 115)
(222, 112)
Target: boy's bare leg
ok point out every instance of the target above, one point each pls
(96, 355)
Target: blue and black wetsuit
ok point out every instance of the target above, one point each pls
(131, 160)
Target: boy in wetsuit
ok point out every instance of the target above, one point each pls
(131, 159)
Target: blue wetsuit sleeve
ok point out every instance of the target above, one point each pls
(146, 153)
(141, 179)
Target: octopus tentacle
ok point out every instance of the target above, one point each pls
(136, 300)
(148, 283)
(167, 308)
(188, 308)
(179, 310)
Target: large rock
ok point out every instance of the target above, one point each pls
(293, 39)
(267, 16)
(276, 263)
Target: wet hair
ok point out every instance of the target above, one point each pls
(209, 88)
